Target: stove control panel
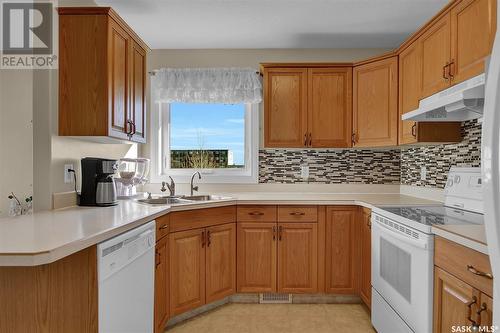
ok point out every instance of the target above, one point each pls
(464, 189)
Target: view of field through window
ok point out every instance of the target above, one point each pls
(207, 136)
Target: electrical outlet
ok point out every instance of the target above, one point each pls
(68, 176)
(304, 172)
(423, 173)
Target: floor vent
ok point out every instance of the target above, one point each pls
(275, 298)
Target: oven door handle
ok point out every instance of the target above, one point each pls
(411, 241)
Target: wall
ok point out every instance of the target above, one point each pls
(250, 58)
(16, 135)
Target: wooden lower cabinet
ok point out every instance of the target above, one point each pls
(187, 270)
(297, 257)
(453, 302)
(220, 261)
(365, 288)
(256, 257)
(161, 285)
(340, 252)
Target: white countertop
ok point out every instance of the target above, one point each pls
(51, 235)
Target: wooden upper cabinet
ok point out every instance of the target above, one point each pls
(285, 105)
(138, 92)
(297, 257)
(102, 75)
(410, 76)
(119, 72)
(375, 103)
(187, 270)
(307, 107)
(257, 250)
(365, 289)
(329, 107)
(410, 71)
(436, 50)
(473, 27)
(340, 253)
(161, 285)
(220, 261)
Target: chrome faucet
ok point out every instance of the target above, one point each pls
(194, 188)
(171, 186)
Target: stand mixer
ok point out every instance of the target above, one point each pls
(131, 172)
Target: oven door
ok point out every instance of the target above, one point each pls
(402, 271)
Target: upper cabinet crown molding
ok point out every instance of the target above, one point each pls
(102, 75)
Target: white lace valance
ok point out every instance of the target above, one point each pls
(206, 85)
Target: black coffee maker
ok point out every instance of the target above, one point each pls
(98, 185)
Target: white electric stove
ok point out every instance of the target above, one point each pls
(403, 249)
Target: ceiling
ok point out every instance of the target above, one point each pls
(200, 24)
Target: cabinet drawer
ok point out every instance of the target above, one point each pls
(297, 214)
(463, 262)
(252, 213)
(162, 226)
(201, 218)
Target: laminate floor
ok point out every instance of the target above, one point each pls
(280, 318)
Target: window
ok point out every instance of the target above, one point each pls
(219, 140)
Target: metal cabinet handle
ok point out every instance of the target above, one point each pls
(469, 311)
(203, 238)
(297, 213)
(483, 307)
(256, 213)
(446, 71)
(310, 139)
(280, 232)
(128, 129)
(305, 140)
(451, 69)
(474, 271)
(163, 227)
(274, 232)
(414, 130)
(353, 138)
(209, 241)
(158, 258)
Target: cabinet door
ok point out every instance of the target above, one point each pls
(473, 26)
(375, 104)
(137, 93)
(366, 260)
(256, 257)
(329, 107)
(220, 262)
(453, 302)
(340, 250)
(297, 257)
(410, 75)
(285, 108)
(187, 270)
(436, 50)
(161, 285)
(119, 77)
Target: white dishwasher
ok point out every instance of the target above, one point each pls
(126, 281)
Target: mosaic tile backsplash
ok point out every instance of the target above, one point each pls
(330, 166)
(364, 166)
(439, 159)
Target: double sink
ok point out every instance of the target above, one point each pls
(167, 200)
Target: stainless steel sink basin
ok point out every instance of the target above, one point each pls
(203, 197)
(160, 201)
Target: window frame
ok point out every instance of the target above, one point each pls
(160, 137)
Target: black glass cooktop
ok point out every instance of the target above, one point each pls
(432, 215)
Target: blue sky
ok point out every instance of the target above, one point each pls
(224, 128)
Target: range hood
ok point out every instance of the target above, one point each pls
(461, 102)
